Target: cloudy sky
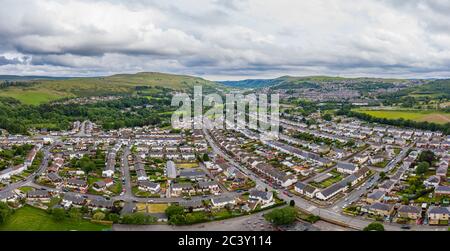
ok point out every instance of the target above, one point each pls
(226, 39)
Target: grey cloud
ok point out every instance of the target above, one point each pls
(226, 38)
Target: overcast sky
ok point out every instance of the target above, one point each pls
(226, 39)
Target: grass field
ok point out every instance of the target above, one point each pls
(152, 208)
(48, 90)
(430, 116)
(33, 219)
(33, 96)
(187, 165)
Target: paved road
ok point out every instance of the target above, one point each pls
(126, 174)
(8, 190)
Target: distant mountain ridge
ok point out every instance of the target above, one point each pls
(26, 78)
(309, 81)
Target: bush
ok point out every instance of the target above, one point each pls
(98, 216)
(138, 219)
(374, 226)
(114, 217)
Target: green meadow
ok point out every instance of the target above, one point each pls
(415, 115)
(30, 218)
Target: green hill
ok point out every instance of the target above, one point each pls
(291, 82)
(42, 91)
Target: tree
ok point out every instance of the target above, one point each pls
(422, 168)
(374, 226)
(174, 210)
(58, 214)
(427, 156)
(283, 216)
(292, 203)
(382, 175)
(5, 212)
(205, 157)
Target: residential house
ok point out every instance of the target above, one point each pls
(411, 212)
(39, 195)
(178, 189)
(100, 204)
(72, 199)
(438, 215)
(442, 191)
(344, 167)
(209, 186)
(219, 202)
(375, 196)
(192, 205)
(306, 189)
(148, 186)
(80, 185)
(265, 198)
(381, 209)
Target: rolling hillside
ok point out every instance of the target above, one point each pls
(287, 82)
(45, 90)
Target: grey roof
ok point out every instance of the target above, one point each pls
(101, 203)
(149, 184)
(77, 182)
(376, 195)
(191, 203)
(192, 173)
(433, 179)
(438, 210)
(332, 189)
(100, 184)
(381, 206)
(206, 184)
(387, 184)
(305, 187)
(38, 193)
(261, 194)
(442, 189)
(347, 166)
(409, 209)
(74, 198)
(222, 199)
(54, 177)
(300, 185)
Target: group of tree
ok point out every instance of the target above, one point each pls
(138, 219)
(424, 161)
(203, 158)
(282, 216)
(177, 215)
(18, 118)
